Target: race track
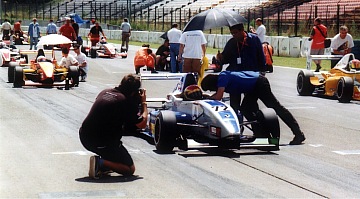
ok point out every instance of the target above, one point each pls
(41, 155)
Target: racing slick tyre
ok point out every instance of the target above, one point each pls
(303, 84)
(165, 131)
(345, 89)
(11, 74)
(92, 53)
(269, 123)
(73, 75)
(18, 77)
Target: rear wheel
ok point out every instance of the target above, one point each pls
(303, 84)
(73, 75)
(345, 89)
(18, 77)
(165, 131)
(269, 123)
(92, 53)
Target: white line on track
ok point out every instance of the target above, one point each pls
(348, 152)
(316, 145)
(72, 153)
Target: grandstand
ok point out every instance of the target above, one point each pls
(281, 12)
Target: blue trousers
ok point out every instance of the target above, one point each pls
(34, 41)
(174, 52)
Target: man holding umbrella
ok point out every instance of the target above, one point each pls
(243, 52)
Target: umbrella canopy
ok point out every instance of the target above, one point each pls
(54, 39)
(164, 36)
(214, 18)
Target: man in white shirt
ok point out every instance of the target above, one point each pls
(6, 29)
(174, 35)
(67, 60)
(341, 44)
(260, 31)
(83, 67)
(192, 50)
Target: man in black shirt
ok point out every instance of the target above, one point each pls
(161, 55)
(94, 34)
(102, 129)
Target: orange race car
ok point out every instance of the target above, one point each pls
(341, 82)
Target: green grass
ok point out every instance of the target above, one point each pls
(278, 61)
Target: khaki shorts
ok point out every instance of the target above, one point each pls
(191, 65)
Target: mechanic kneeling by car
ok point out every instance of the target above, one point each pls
(103, 128)
(255, 86)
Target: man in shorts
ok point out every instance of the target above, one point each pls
(113, 110)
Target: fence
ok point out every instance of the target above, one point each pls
(279, 20)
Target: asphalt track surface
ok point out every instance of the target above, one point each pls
(41, 155)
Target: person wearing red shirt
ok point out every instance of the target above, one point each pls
(318, 36)
(68, 31)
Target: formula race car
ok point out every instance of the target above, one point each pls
(181, 117)
(105, 49)
(44, 72)
(9, 55)
(341, 82)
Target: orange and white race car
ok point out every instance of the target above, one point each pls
(44, 72)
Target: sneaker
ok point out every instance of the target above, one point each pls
(298, 139)
(94, 170)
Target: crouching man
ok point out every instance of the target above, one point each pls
(102, 129)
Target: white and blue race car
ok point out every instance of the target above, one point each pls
(205, 121)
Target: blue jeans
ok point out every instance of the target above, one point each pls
(34, 41)
(174, 52)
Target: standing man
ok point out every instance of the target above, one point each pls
(255, 86)
(318, 35)
(34, 33)
(125, 34)
(103, 128)
(174, 35)
(81, 58)
(68, 31)
(51, 27)
(94, 34)
(17, 28)
(76, 29)
(243, 52)
(6, 29)
(260, 31)
(192, 50)
(341, 44)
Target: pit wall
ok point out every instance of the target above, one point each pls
(283, 46)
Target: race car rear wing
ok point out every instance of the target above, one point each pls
(161, 76)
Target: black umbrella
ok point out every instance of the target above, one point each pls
(164, 36)
(213, 18)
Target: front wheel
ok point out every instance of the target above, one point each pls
(11, 74)
(19, 77)
(165, 131)
(345, 89)
(303, 84)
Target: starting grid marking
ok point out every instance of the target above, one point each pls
(340, 152)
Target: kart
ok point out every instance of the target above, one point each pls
(44, 74)
(341, 82)
(105, 50)
(205, 121)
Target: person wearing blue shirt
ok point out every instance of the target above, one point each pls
(34, 33)
(51, 28)
(243, 52)
(255, 86)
